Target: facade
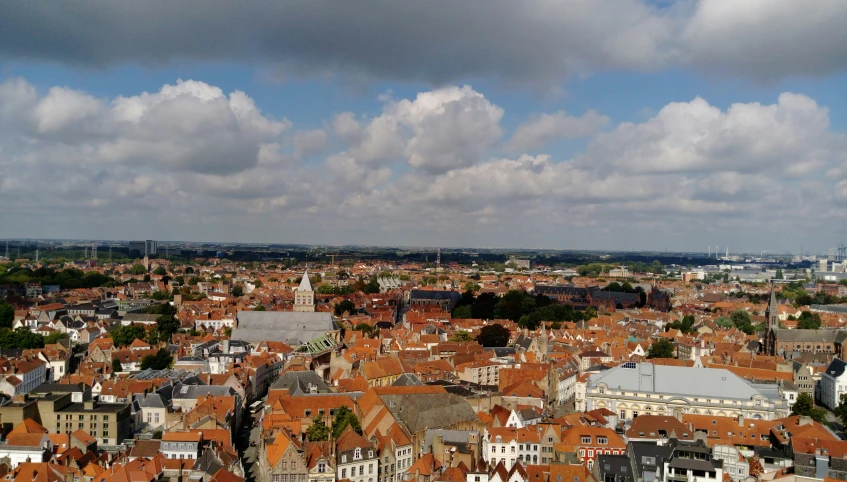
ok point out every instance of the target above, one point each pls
(691, 462)
(734, 464)
(480, 373)
(304, 297)
(356, 458)
(21, 376)
(109, 423)
(509, 445)
(833, 384)
(181, 445)
(145, 248)
(634, 389)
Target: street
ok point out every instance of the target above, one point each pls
(249, 433)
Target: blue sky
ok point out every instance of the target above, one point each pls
(615, 125)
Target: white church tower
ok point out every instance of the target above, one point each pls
(304, 297)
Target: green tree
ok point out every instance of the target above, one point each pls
(138, 269)
(661, 348)
(237, 291)
(116, 365)
(20, 338)
(471, 286)
(160, 270)
(724, 322)
(805, 405)
(463, 312)
(7, 315)
(740, 317)
(345, 305)
(54, 337)
(493, 335)
(778, 274)
(259, 308)
(125, 335)
(344, 417)
(318, 431)
(460, 335)
(809, 321)
(161, 360)
(841, 410)
(372, 286)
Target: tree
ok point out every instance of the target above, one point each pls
(805, 405)
(138, 269)
(724, 322)
(344, 417)
(318, 431)
(345, 305)
(809, 321)
(237, 291)
(54, 337)
(372, 286)
(471, 286)
(116, 365)
(460, 335)
(20, 338)
(778, 274)
(125, 335)
(740, 317)
(662, 348)
(259, 308)
(160, 270)
(841, 410)
(493, 335)
(7, 315)
(463, 311)
(161, 360)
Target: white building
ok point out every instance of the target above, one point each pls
(24, 447)
(833, 384)
(510, 445)
(734, 464)
(181, 445)
(633, 389)
(691, 462)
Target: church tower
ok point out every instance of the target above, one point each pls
(772, 320)
(304, 297)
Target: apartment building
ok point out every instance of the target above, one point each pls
(66, 412)
(480, 373)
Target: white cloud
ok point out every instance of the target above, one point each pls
(451, 127)
(545, 128)
(171, 161)
(190, 126)
(791, 137)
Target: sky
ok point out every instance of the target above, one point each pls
(565, 124)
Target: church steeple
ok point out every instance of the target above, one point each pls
(772, 311)
(304, 297)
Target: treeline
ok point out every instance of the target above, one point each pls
(519, 306)
(68, 278)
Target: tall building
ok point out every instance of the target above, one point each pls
(304, 298)
(145, 248)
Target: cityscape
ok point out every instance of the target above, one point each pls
(423, 241)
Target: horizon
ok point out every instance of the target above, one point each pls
(619, 125)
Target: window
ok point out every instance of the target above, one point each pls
(357, 454)
(602, 440)
(513, 449)
(585, 439)
(343, 472)
(308, 413)
(503, 449)
(361, 470)
(493, 449)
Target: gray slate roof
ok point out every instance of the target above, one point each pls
(687, 381)
(292, 328)
(423, 411)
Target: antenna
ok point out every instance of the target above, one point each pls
(110, 252)
(36, 255)
(438, 261)
(94, 252)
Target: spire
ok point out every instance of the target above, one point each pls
(772, 312)
(305, 284)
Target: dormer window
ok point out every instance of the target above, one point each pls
(357, 454)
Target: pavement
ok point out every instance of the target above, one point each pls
(249, 432)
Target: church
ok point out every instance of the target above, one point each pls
(302, 327)
(793, 344)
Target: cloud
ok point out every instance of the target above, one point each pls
(766, 39)
(189, 126)
(189, 162)
(545, 128)
(789, 138)
(439, 41)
